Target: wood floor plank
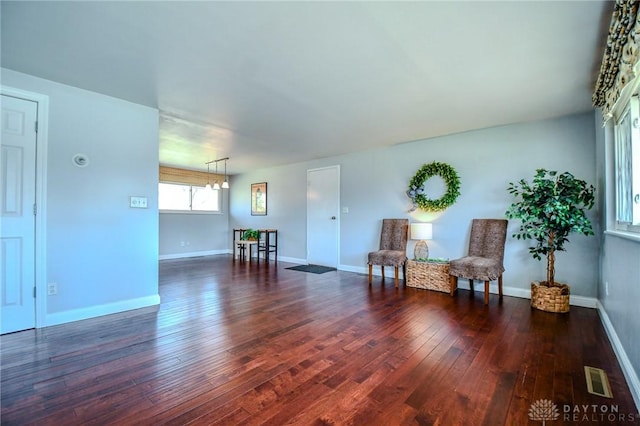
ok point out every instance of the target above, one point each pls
(241, 343)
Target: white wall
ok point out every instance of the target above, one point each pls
(286, 207)
(373, 185)
(192, 234)
(619, 283)
(102, 254)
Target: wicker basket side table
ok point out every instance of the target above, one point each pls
(428, 275)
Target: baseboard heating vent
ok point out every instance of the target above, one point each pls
(597, 382)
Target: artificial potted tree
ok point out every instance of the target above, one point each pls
(550, 208)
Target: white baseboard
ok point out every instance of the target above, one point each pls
(282, 259)
(225, 251)
(524, 293)
(585, 302)
(293, 260)
(621, 354)
(356, 269)
(100, 310)
(193, 254)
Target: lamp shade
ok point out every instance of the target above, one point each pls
(421, 231)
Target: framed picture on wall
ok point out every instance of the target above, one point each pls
(259, 199)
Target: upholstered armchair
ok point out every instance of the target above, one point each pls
(486, 255)
(393, 247)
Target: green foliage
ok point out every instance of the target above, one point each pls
(416, 187)
(432, 259)
(550, 208)
(250, 234)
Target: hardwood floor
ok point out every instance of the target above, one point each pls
(242, 343)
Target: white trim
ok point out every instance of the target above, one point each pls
(624, 235)
(623, 359)
(100, 310)
(356, 269)
(226, 251)
(193, 254)
(625, 94)
(585, 302)
(293, 260)
(42, 139)
(463, 284)
(209, 212)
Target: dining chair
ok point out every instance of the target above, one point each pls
(393, 247)
(485, 258)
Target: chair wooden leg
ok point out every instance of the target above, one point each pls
(486, 292)
(453, 283)
(396, 276)
(500, 286)
(471, 284)
(382, 270)
(370, 272)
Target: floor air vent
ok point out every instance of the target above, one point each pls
(597, 382)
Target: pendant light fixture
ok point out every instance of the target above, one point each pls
(208, 187)
(216, 185)
(225, 184)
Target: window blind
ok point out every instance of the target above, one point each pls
(190, 177)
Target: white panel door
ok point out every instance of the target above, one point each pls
(17, 221)
(323, 216)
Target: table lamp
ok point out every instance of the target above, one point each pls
(421, 232)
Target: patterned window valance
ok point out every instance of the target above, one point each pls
(620, 56)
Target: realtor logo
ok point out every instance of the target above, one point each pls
(543, 410)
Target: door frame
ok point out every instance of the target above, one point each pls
(42, 137)
(337, 235)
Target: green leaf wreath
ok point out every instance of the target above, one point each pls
(416, 187)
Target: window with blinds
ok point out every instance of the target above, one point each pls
(181, 190)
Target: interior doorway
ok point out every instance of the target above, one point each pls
(323, 216)
(22, 208)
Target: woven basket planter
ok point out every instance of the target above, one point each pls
(550, 298)
(428, 275)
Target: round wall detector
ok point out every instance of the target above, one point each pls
(81, 160)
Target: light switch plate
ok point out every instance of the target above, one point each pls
(138, 202)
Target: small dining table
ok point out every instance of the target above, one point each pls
(267, 242)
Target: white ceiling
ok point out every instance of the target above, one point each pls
(270, 83)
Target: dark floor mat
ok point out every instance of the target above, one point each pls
(314, 269)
